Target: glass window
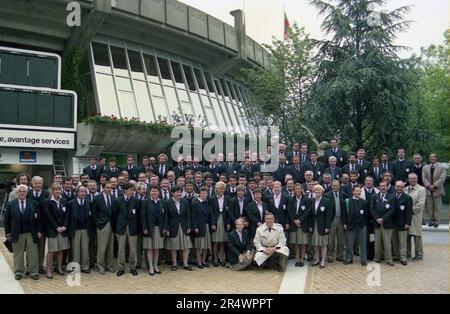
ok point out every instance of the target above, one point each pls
(159, 105)
(200, 82)
(128, 105)
(137, 70)
(197, 106)
(208, 79)
(119, 61)
(183, 95)
(206, 102)
(123, 84)
(219, 90)
(177, 74)
(152, 74)
(189, 78)
(143, 101)
(107, 96)
(211, 119)
(156, 90)
(165, 72)
(230, 88)
(172, 101)
(221, 116)
(101, 54)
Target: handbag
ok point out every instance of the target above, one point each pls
(8, 245)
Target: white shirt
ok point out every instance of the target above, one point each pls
(260, 208)
(220, 201)
(24, 204)
(57, 201)
(80, 201)
(38, 193)
(317, 203)
(105, 196)
(177, 205)
(241, 204)
(276, 200)
(298, 203)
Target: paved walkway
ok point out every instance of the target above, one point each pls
(429, 276)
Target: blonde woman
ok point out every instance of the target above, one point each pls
(221, 223)
(321, 218)
(57, 218)
(240, 253)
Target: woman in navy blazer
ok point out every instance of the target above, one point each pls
(154, 224)
(57, 217)
(201, 222)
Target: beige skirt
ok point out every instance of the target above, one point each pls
(57, 244)
(180, 242)
(317, 239)
(154, 242)
(297, 236)
(203, 243)
(220, 235)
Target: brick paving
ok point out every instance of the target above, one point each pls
(430, 276)
(212, 280)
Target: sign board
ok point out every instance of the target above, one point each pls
(36, 139)
(10, 156)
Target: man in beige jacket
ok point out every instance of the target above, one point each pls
(419, 195)
(270, 243)
(433, 177)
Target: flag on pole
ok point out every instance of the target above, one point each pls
(287, 26)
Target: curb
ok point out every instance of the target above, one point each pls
(441, 228)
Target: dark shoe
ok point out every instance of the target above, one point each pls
(309, 259)
(18, 276)
(340, 259)
(134, 272)
(315, 264)
(86, 271)
(357, 254)
(279, 268)
(174, 268)
(35, 277)
(206, 265)
(41, 271)
(151, 274)
(120, 272)
(61, 273)
(419, 258)
(348, 262)
(222, 263)
(297, 264)
(302, 264)
(158, 272)
(49, 276)
(27, 273)
(436, 225)
(215, 264)
(188, 268)
(330, 261)
(364, 263)
(404, 263)
(378, 262)
(430, 224)
(138, 266)
(200, 266)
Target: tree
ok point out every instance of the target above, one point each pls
(363, 88)
(280, 93)
(433, 97)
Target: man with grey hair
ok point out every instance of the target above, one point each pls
(39, 195)
(433, 176)
(418, 195)
(23, 230)
(333, 169)
(418, 168)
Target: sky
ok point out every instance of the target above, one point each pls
(264, 18)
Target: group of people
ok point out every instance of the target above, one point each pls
(235, 213)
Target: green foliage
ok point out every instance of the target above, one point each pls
(154, 128)
(71, 80)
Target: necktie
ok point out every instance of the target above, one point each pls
(22, 207)
(165, 195)
(352, 167)
(161, 172)
(270, 229)
(36, 194)
(82, 203)
(336, 195)
(432, 173)
(108, 201)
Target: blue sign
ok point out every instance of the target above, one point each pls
(28, 157)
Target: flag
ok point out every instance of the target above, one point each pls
(287, 26)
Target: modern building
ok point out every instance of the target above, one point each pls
(154, 61)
